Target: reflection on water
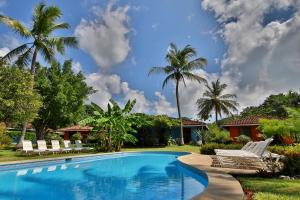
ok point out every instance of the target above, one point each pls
(147, 176)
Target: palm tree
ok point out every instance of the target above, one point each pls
(214, 100)
(41, 36)
(40, 40)
(179, 68)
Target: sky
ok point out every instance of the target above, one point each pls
(252, 46)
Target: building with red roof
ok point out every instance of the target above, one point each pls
(245, 126)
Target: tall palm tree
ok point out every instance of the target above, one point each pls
(214, 100)
(180, 67)
(39, 38)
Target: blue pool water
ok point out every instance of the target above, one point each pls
(152, 175)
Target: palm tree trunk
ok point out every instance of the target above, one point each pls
(179, 114)
(23, 132)
(32, 68)
(216, 116)
(32, 71)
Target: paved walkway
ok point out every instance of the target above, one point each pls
(221, 186)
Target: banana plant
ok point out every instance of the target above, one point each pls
(114, 126)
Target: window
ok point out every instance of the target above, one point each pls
(245, 131)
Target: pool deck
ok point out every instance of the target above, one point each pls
(222, 185)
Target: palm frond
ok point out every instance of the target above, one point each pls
(198, 63)
(15, 52)
(168, 78)
(228, 96)
(193, 77)
(25, 58)
(46, 51)
(15, 25)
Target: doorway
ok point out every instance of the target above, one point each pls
(187, 136)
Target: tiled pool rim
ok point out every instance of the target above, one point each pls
(233, 192)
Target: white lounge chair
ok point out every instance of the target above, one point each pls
(79, 146)
(42, 147)
(55, 146)
(250, 156)
(27, 146)
(67, 144)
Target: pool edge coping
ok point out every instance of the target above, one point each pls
(221, 185)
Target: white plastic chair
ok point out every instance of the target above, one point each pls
(55, 146)
(42, 147)
(27, 146)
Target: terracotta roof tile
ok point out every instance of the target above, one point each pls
(192, 123)
(251, 120)
(76, 128)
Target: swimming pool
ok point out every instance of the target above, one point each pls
(151, 175)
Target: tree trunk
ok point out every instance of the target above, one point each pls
(216, 116)
(32, 69)
(179, 114)
(20, 143)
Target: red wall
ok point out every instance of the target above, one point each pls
(234, 132)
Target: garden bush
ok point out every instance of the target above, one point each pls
(76, 136)
(15, 136)
(208, 149)
(53, 136)
(291, 161)
(5, 140)
(243, 139)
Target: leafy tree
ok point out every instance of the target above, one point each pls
(63, 94)
(214, 100)
(274, 105)
(39, 36)
(19, 102)
(155, 129)
(287, 127)
(114, 126)
(179, 68)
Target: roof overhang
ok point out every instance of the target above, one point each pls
(240, 125)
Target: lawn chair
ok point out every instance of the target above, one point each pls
(42, 147)
(79, 146)
(250, 156)
(55, 146)
(27, 146)
(67, 145)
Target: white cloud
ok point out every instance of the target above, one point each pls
(106, 37)
(108, 85)
(3, 51)
(261, 58)
(76, 67)
(162, 106)
(105, 85)
(9, 41)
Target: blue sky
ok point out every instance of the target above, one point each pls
(120, 41)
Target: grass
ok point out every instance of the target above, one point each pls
(9, 155)
(185, 148)
(271, 188)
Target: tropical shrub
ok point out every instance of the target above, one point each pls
(216, 135)
(291, 164)
(243, 139)
(113, 127)
(5, 140)
(16, 134)
(53, 136)
(208, 149)
(76, 136)
(287, 128)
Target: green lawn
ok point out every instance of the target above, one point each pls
(9, 155)
(185, 148)
(272, 189)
